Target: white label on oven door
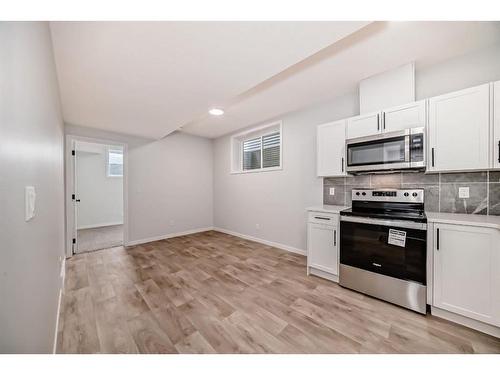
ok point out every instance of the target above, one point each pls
(397, 237)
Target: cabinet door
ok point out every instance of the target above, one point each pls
(402, 117)
(322, 249)
(459, 130)
(330, 159)
(496, 125)
(466, 267)
(364, 125)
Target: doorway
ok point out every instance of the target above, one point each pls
(96, 190)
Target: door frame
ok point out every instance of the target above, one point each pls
(70, 188)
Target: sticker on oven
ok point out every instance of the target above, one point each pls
(397, 237)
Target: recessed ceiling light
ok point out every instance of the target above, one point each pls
(216, 111)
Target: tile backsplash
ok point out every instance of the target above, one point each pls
(441, 189)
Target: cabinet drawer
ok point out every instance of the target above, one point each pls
(323, 218)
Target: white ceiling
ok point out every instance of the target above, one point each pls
(150, 78)
(337, 69)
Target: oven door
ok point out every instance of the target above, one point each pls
(389, 151)
(388, 247)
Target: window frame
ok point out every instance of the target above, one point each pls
(256, 132)
(108, 151)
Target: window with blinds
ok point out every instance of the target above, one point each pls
(257, 149)
(251, 154)
(271, 150)
(262, 152)
(115, 163)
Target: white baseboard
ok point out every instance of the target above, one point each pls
(100, 225)
(468, 322)
(62, 275)
(262, 241)
(165, 236)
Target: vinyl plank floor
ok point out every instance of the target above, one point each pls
(215, 293)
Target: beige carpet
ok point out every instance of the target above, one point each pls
(99, 238)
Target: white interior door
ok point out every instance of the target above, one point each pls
(74, 197)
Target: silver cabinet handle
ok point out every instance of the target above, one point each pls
(378, 122)
(334, 237)
(321, 218)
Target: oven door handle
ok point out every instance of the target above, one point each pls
(385, 223)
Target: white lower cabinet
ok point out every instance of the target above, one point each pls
(466, 271)
(322, 245)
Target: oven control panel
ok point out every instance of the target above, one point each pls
(388, 195)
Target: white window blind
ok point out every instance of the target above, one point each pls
(251, 154)
(115, 163)
(271, 150)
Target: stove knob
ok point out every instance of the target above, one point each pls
(363, 193)
(357, 193)
(406, 194)
(414, 194)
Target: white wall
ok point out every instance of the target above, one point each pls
(31, 153)
(277, 200)
(170, 182)
(101, 197)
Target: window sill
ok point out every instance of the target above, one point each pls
(258, 170)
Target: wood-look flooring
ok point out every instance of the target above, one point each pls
(215, 293)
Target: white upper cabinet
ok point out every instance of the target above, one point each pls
(364, 125)
(467, 271)
(496, 125)
(459, 130)
(331, 149)
(402, 117)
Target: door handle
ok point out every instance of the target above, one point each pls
(437, 239)
(499, 151)
(383, 119)
(334, 237)
(378, 121)
(432, 156)
(343, 161)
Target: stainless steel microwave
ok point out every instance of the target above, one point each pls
(403, 149)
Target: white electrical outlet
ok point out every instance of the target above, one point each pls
(332, 191)
(463, 192)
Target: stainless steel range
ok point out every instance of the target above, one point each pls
(383, 246)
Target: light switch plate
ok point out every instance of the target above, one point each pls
(463, 192)
(29, 202)
(332, 191)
